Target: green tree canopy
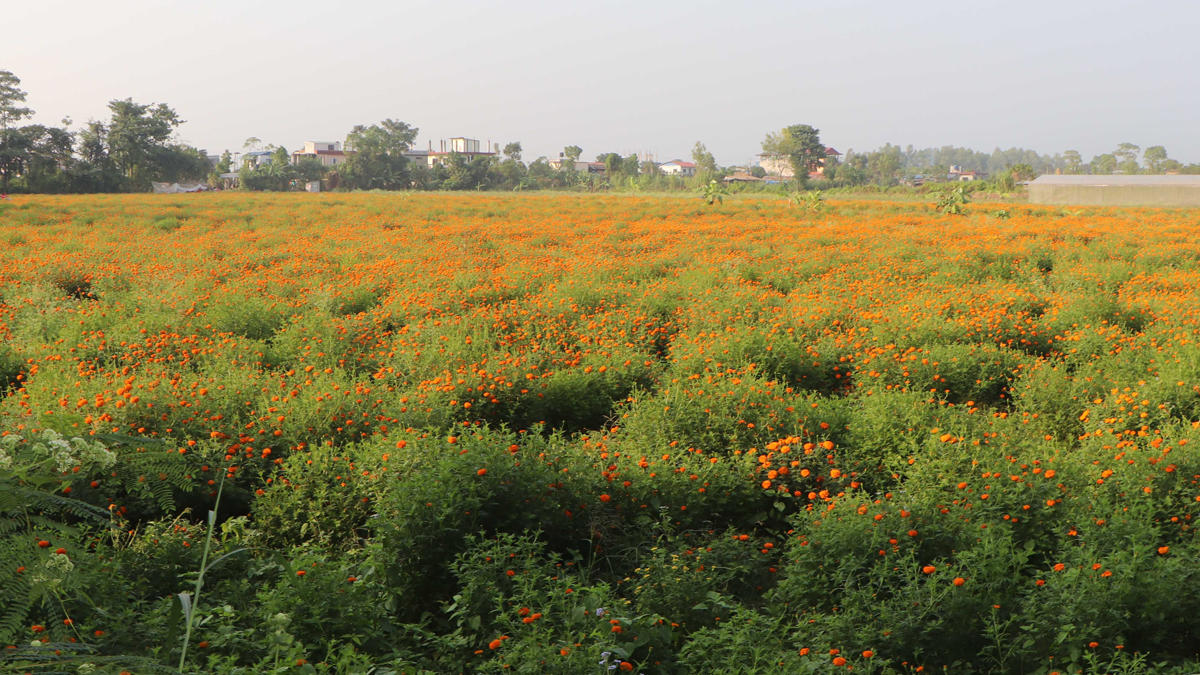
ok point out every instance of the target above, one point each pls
(135, 134)
(1155, 158)
(801, 144)
(378, 159)
(1104, 164)
(11, 98)
(1126, 154)
(390, 137)
(706, 164)
(1073, 162)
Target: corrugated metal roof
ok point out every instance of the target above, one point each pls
(1104, 181)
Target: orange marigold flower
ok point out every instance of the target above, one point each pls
(929, 569)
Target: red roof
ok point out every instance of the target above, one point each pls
(679, 162)
(831, 151)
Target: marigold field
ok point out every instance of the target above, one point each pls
(579, 434)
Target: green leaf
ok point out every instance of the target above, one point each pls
(173, 618)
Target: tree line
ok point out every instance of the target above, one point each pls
(125, 153)
(137, 146)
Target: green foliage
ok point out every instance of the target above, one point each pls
(953, 201)
(736, 457)
(713, 193)
(812, 201)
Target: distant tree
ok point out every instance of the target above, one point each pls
(631, 166)
(20, 147)
(802, 145)
(389, 136)
(1155, 158)
(225, 165)
(310, 168)
(378, 161)
(540, 172)
(758, 171)
(649, 168)
(883, 166)
(137, 135)
(1073, 162)
(50, 158)
(511, 174)
(611, 162)
(1126, 154)
(252, 143)
(16, 146)
(1021, 172)
(11, 98)
(572, 152)
(706, 164)
(464, 175)
(1104, 164)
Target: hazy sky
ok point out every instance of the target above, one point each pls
(612, 75)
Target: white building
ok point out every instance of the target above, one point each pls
(563, 160)
(469, 148)
(678, 167)
(328, 153)
(256, 159)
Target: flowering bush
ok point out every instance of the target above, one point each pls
(571, 434)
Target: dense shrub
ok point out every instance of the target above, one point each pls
(533, 434)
